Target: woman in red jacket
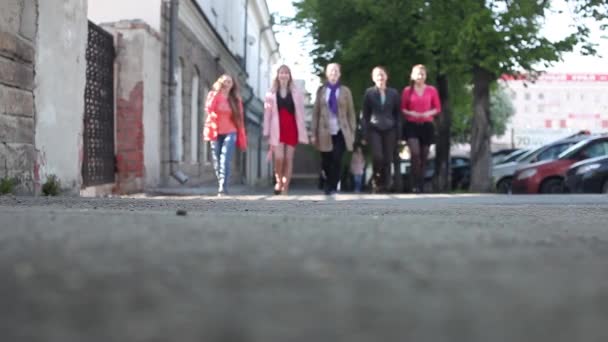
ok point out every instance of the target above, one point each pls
(419, 104)
(224, 127)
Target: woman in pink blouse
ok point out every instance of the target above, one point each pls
(419, 104)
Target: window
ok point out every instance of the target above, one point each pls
(604, 123)
(194, 115)
(552, 152)
(541, 96)
(527, 96)
(596, 149)
(207, 157)
(459, 162)
(548, 123)
(541, 108)
(562, 123)
(179, 88)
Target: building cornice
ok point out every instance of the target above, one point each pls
(192, 15)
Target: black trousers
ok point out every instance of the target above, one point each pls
(332, 162)
(382, 145)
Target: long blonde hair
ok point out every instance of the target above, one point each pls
(413, 81)
(234, 98)
(276, 85)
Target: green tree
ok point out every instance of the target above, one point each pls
(349, 32)
(501, 111)
(362, 33)
(504, 37)
(469, 42)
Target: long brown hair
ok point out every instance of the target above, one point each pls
(276, 85)
(234, 98)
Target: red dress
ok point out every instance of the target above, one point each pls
(288, 129)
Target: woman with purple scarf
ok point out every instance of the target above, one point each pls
(333, 125)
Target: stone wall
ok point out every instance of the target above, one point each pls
(18, 31)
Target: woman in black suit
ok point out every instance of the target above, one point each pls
(381, 127)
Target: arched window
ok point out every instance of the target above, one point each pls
(194, 118)
(179, 88)
(207, 157)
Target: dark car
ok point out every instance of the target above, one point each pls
(549, 176)
(588, 176)
(460, 173)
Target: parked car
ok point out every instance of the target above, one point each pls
(460, 173)
(513, 156)
(588, 176)
(502, 174)
(500, 155)
(548, 177)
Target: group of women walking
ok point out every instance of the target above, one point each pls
(387, 118)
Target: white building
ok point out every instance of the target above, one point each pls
(555, 105)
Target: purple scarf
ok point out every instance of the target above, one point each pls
(332, 103)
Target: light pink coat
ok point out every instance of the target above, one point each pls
(271, 117)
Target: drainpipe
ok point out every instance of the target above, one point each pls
(173, 133)
(246, 102)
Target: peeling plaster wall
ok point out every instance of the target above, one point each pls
(60, 77)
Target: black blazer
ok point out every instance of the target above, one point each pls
(373, 105)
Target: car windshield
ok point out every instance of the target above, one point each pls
(572, 149)
(529, 155)
(514, 156)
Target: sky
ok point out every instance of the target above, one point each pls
(295, 47)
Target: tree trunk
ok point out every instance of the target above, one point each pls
(481, 131)
(441, 179)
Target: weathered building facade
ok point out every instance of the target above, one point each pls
(210, 41)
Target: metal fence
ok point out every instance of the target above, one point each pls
(98, 165)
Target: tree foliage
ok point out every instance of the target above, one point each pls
(468, 42)
(501, 112)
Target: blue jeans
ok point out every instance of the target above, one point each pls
(223, 149)
(358, 182)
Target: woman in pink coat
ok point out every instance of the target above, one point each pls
(284, 126)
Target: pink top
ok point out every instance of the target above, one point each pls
(219, 119)
(410, 100)
(220, 106)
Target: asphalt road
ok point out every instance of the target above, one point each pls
(304, 268)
